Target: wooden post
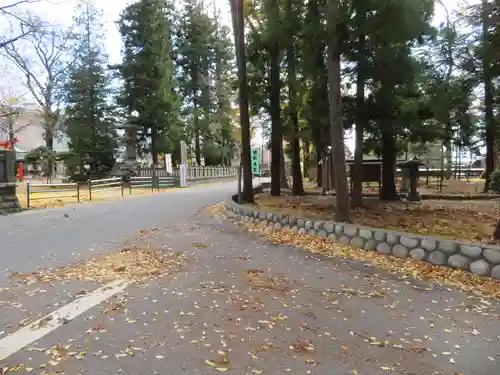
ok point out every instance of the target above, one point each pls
(78, 192)
(90, 189)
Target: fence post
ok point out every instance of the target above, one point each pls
(121, 186)
(89, 182)
(78, 192)
(28, 195)
(130, 185)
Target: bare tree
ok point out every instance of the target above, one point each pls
(26, 26)
(41, 59)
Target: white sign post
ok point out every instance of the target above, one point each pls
(183, 175)
(168, 163)
(183, 167)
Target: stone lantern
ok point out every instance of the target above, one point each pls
(409, 172)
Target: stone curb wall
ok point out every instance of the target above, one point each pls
(481, 260)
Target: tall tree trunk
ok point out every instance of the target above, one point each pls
(489, 118)
(357, 171)
(297, 183)
(239, 31)
(276, 136)
(336, 126)
(331, 170)
(307, 157)
(197, 136)
(388, 192)
(319, 170)
(49, 143)
(283, 171)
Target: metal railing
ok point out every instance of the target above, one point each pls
(96, 186)
(54, 191)
(151, 182)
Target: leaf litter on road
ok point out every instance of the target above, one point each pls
(481, 286)
(136, 264)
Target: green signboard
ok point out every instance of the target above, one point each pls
(256, 161)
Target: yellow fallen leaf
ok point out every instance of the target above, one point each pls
(221, 369)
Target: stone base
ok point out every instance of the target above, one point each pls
(9, 203)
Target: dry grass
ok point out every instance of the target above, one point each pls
(64, 198)
(473, 220)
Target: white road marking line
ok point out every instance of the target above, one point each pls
(41, 327)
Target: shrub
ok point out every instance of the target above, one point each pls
(495, 181)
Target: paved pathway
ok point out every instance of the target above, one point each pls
(241, 305)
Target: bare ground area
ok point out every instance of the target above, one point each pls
(471, 220)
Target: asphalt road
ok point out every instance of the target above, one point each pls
(239, 304)
(45, 238)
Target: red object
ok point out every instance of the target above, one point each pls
(20, 171)
(7, 145)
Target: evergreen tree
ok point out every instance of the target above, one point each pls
(92, 138)
(148, 74)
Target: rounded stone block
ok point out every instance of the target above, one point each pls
(339, 229)
(276, 218)
(383, 248)
(370, 245)
(292, 221)
(495, 272)
(358, 242)
(322, 233)
(459, 261)
(286, 227)
(350, 230)
(277, 226)
(302, 231)
(400, 251)
(480, 267)
(408, 242)
(256, 214)
(262, 215)
(284, 221)
(344, 240)
(379, 236)
(437, 257)
(312, 232)
(418, 254)
(329, 227)
(295, 229)
(391, 239)
(332, 237)
(471, 251)
(301, 223)
(365, 233)
(269, 229)
(428, 244)
(492, 256)
(317, 225)
(269, 216)
(447, 247)
(309, 225)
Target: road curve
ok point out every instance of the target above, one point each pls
(33, 239)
